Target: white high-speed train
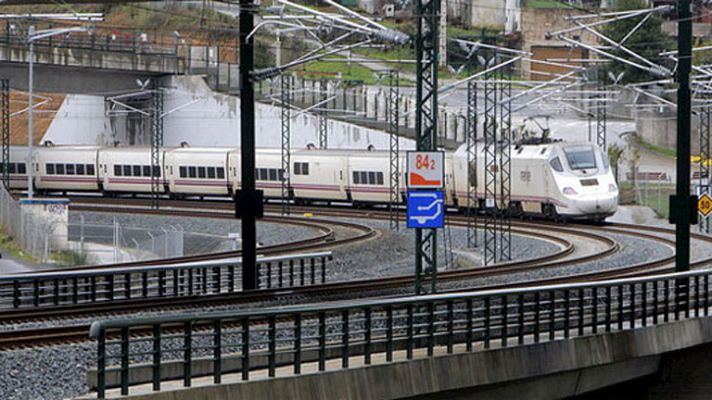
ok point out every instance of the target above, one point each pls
(556, 179)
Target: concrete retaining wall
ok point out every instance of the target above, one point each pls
(541, 371)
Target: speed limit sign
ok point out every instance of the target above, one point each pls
(425, 170)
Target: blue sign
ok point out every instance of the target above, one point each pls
(426, 209)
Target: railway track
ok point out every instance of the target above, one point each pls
(364, 288)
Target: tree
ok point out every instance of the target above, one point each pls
(614, 155)
(648, 41)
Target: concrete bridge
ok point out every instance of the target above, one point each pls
(86, 65)
(539, 343)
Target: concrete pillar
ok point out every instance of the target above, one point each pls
(452, 124)
(382, 106)
(461, 128)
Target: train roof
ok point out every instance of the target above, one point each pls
(210, 150)
(69, 148)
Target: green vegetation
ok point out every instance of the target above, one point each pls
(11, 247)
(655, 196)
(668, 152)
(545, 4)
(323, 69)
(69, 258)
(648, 41)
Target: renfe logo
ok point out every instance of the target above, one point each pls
(426, 170)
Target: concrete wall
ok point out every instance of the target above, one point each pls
(660, 128)
(110, 60)
(551, 370)
(536, 23)
(203, 118)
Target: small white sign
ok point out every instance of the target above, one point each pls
(425, 170)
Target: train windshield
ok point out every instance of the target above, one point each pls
(580, 157)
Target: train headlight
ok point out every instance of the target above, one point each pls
(612, 188)
(570, 191)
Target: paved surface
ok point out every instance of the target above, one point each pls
(637, 215)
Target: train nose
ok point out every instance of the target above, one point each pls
(598, 205)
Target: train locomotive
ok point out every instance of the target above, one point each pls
(551, 178)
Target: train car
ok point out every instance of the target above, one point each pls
(319, 175)
(555, 179)
(234, 170)
(197, 171)
(584, 182)
(66, 168)
(268, 172)
(368, 180)
(18, 167)
(128, 170)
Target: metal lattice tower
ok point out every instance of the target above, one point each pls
(286, 87)
(156, 116)
(491, 167)
(323, 121)
(5, 125)
(705, 116)
(505, 171)
(392, 117)
(601, 115)
(472, 202)
(426, 125)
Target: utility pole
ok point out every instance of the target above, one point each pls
(426, 125)
(442, 57)
(682, 205)
(30, 111)
(249, 201)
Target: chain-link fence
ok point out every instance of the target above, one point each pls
(96, 243)
(100, 243)
(652, 189)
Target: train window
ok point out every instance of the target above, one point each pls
(211, 172)
(49, 169)
(556, 164)
(90, 169)
(201, 172)
(69, 168)
(192, 173)
(371, 178)
(136, 170)
(146, 170)
(580, 157)
(21, 168)
(606, 161)
(127, 170)
(364, 178)
(273, 174)
(301, 168)
(280, 175)
(157, 171)
(80, 169)
(356, 177)
(12, 168)
(59, 168)
(379, 177)
(117, 170)
(183, 171)
(221, 172)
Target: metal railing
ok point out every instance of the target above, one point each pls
(134, 283)
(320, 337)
